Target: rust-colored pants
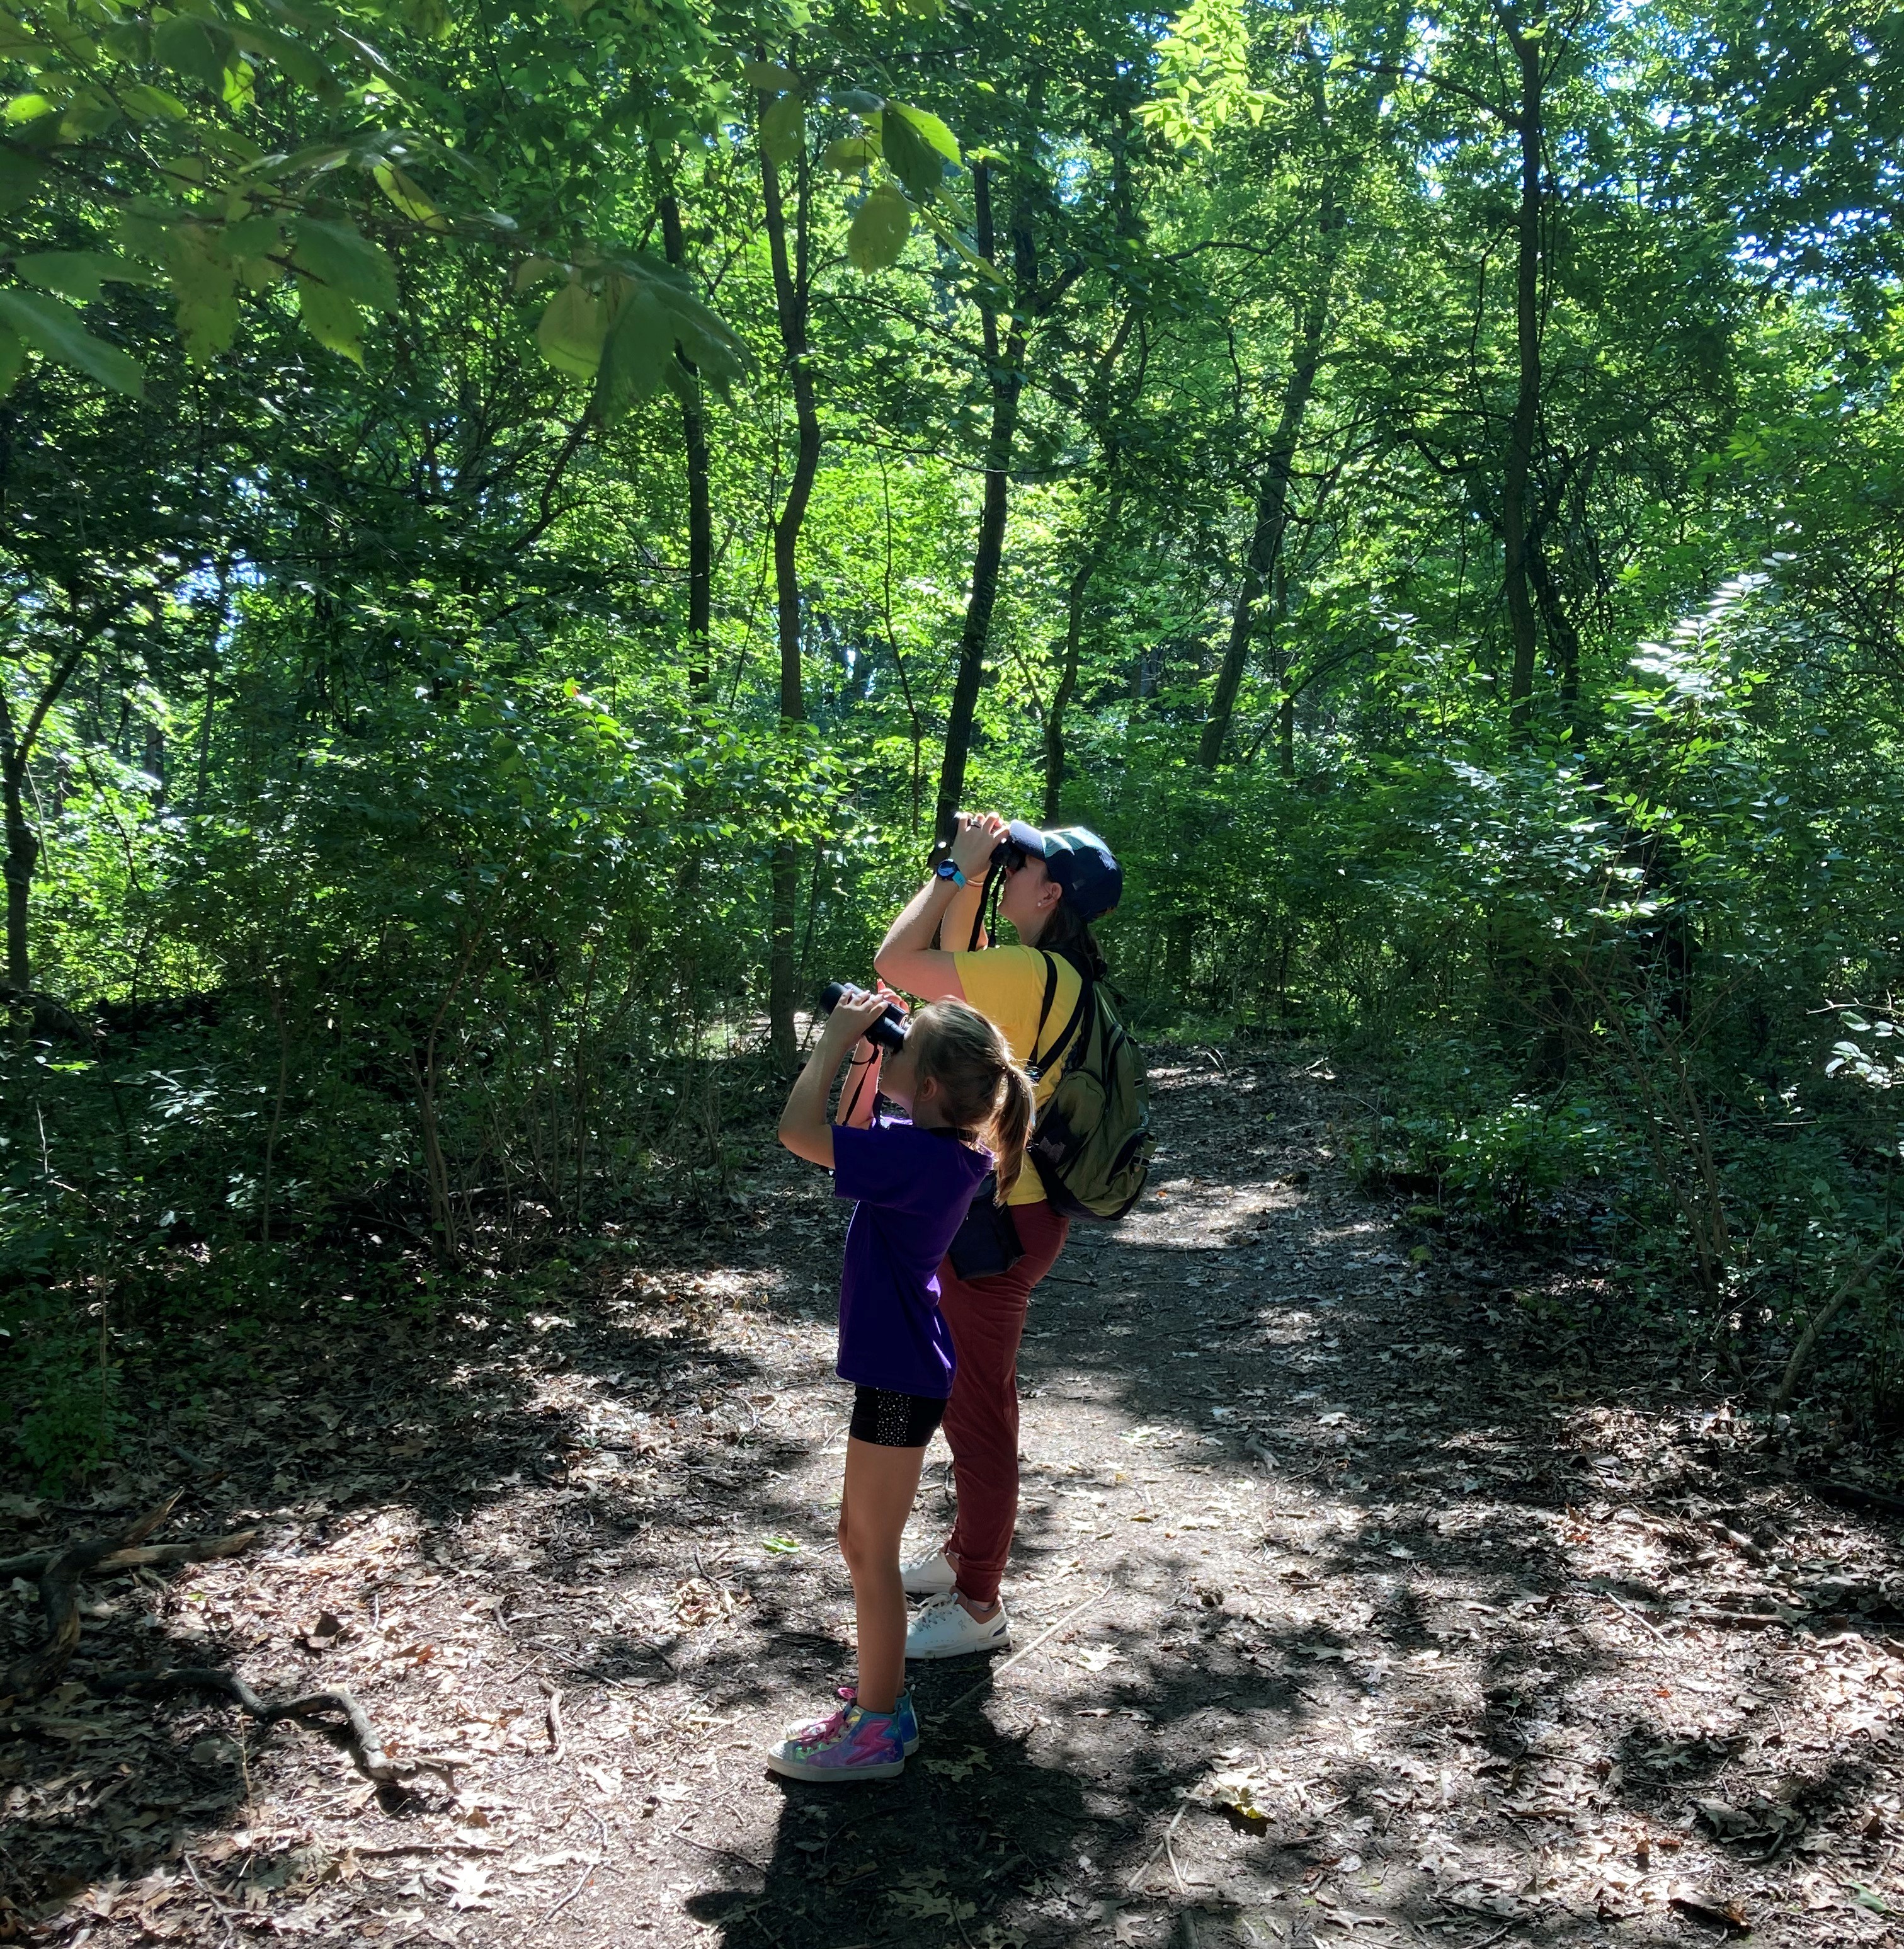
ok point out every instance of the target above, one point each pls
(987, 1318)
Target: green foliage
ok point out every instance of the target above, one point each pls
(399, 734)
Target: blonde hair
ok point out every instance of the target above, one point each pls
(986, 1096)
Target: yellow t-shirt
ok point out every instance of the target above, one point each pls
(1007, 986)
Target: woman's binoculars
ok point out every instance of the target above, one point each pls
(888, 1032)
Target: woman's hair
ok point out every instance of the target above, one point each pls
(985, 1094)
(1066, 933)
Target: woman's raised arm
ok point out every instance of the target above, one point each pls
(907, 958)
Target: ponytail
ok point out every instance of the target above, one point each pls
(987, 1096)
(1010, 1128)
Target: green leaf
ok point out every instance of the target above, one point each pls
(910, 156)
(13, 359)
(21, 176)
(850, 154)
(857, 100)
(929, 125)
(402, 191)
(769, 77)
(640, 346)
(341, 256)
(570, 333)
(783, 128)
(204, 282)
(144, 103)
(197, 49)
(879, 229)
(77, 274)
(51, 326)
(332, 320)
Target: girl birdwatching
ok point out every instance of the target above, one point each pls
(912, 1182)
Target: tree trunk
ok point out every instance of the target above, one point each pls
(1272, 495)
(1519, 467)
(700, 517)
(1559, 626)
(22, 856)
(792, 288)
(1006, 370)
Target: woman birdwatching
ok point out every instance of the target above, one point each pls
(1055, 885)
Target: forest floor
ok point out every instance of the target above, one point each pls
(1357, 1600)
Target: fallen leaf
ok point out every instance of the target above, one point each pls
(466, 1885)
(1715, 1914)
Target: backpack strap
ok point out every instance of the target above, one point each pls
(1037, 1066)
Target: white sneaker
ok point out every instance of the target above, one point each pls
(943, 1627)
(928, 1576)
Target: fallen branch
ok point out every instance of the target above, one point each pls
(139, 1556)
(35, 1671)
(60, 1573)
(309, 1708)
(1854, 1497)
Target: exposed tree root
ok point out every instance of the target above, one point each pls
(60, 1573)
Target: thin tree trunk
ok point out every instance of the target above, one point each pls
(16, 744)
(1519, 466)
(792, 282)
(1006, 366)
(1272, 495)
(701, 517)
(1067, 679)
(1068, 684)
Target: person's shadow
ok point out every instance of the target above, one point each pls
(972, 1829)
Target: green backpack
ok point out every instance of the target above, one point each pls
(1092, 1141)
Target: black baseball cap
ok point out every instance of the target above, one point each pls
(1079, 862)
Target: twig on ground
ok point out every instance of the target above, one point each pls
(602, 1854)
(552, 1717)
(1149, 1860)
(997, 1671)
(1638, 1618)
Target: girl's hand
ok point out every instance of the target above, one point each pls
(975, 841)
(853, 1014)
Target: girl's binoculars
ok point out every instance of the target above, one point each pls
(888, 1032)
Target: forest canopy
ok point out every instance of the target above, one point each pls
(522, 526)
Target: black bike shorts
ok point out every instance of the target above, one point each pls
(890, 1420)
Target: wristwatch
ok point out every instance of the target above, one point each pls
(945, 870)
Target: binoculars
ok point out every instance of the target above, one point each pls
(888, 1032)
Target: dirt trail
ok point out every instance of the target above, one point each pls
(1356, 1600)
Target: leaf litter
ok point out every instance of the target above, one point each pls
(1428, 1615)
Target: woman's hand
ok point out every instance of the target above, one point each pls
(974, 842)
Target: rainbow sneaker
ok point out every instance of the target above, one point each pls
(852, 1745)
(905, 1719)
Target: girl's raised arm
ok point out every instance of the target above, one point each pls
(804, 1129)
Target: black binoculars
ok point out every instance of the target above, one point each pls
(888, 1032)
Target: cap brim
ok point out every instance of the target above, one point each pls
(1029, 837)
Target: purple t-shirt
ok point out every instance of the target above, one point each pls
(914, 1187)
